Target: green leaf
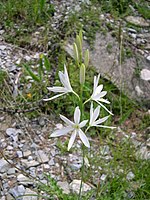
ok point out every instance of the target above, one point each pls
(47, 64)
(31, 73)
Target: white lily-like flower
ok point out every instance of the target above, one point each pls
(74, 127)
(64, 79)
(98, 94)
(94, 113)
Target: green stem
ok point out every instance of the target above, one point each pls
(83, 165)
(83, 152)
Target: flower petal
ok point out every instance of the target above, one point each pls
(99, 121)
(77, 115)
(104, 107)
(57, 89)
(83, 123)
(54, 97)
(72, 139)
(83, 138)
(96, 113)
(66, 120)
(112, 127)
(61, 132)
(104, 100)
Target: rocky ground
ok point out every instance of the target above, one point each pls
(26, 149)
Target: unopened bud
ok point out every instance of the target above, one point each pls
(82, 74)
(76, 53)
(86, 58)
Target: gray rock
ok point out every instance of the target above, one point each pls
(42, 157)
(64, 186)
(29, 164)
(34, 195)
(125, 77)
(130, 176)
(145, 74)
(51, 162)
(4, 165)
(17, 191)
(3, 47)
(105, 150)
(19, 154)
(103, 177)
(75, 187)
(24, 180)
(143, 153)
(75, 166)
(138, 21)
(11, 171)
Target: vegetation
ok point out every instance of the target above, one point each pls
(16, 17)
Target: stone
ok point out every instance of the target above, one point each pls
(107, 64)
(130, 176)
(138, 21)
(75, 187)
(17, 191)
(64, 186)
(24, 180)
(75, 166)
(4, 165)
(143, 153)
(42, 157)
(29, 164)
(26, 153)
(3, 47)
(105, 150)
(145, 74)
(51, 162)
(29, 192)
(11, 171)
(19, 154)
(103, 177)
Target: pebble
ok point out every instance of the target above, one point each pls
(42, 157)
(75, 187)
(130, 176)
(17, 191)
(64, 186)
(24, 180)
(4, 165)
(29, 192)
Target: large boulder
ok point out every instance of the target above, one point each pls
(132, 77)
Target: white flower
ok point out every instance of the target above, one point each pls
(98, 94)
(94, 113)
(74, 127)
(64, 79)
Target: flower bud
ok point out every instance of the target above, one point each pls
(82, 74)
(86, 58)
(79, 47)
(76, 53)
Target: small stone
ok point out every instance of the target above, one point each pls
(26, 153)
(11, 171)
(17, 191)
(138, 91)
(138, 21)
(29, 164)
(145, 74)
(130, 176)
(143, 153)
(75, 166)
(105, 150)
(103, 177)
(51, 162)
(64, 186)
(2, 47)
(4, 165)
(42, 157)
(19, 154)
(24, 180)
(75, 187)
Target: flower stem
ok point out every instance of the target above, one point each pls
(83, 151)
(82, 175)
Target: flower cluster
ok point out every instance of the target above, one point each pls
(76, 127)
